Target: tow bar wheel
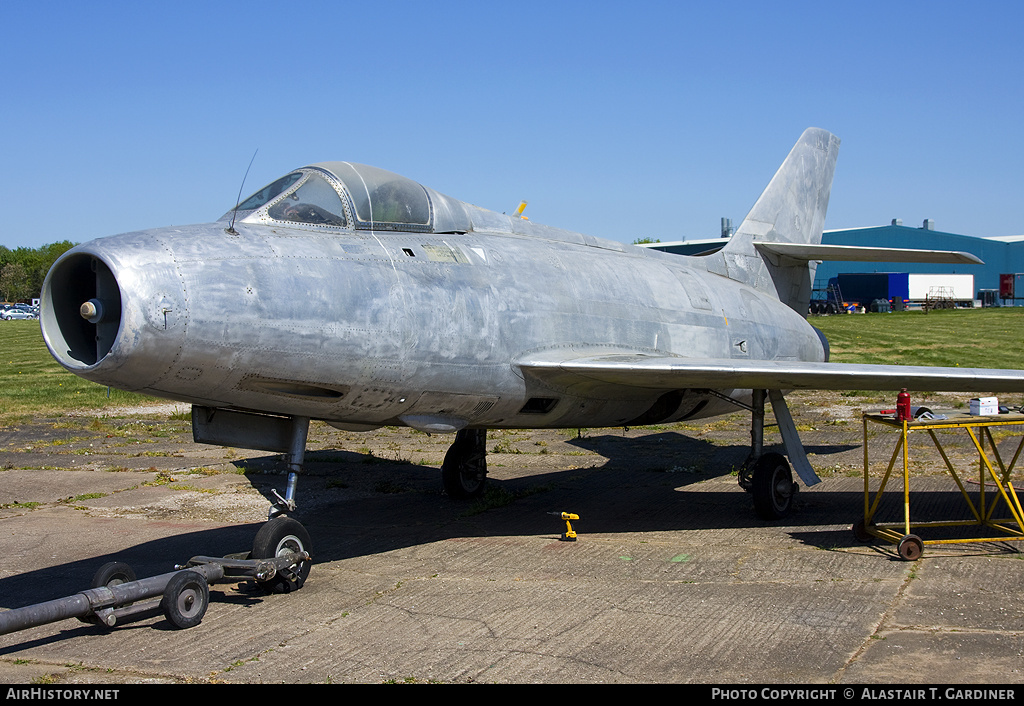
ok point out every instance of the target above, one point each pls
(283, 535)
(112, 573)
(185, 599)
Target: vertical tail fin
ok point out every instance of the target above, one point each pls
(790, 210)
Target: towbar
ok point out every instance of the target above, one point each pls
(184, 593)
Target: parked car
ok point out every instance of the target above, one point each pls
(16, 314)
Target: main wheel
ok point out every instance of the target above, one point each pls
(464, 471)
(185, 599)
(772, 487)
(283, 535)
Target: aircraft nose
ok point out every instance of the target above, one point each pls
(81, 313)
(113, 311)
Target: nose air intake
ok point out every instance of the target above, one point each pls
(81, 311)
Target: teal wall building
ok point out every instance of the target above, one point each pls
(1001, 255)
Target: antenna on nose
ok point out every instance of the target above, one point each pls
(231, 226)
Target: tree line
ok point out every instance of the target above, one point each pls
(22, 270)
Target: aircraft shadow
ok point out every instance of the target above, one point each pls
(682, 450)
(359, 508)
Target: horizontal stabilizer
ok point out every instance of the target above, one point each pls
(670, 373)
(806, 252)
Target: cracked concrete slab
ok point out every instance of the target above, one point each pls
(672, 579)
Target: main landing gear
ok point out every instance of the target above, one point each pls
(768, 477)
(772, 487)
(464, 471)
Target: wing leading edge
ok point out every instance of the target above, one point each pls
(668, 373)
(805, 252)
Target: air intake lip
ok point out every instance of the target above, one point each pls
(81, 310)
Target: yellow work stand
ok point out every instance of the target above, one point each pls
(911, 546)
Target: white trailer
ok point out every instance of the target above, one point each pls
(955, 287)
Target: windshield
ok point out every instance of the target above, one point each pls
(315, 201)
(269, 193)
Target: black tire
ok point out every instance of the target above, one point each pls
(772, 487)
(186, 599)
(111, 574)
(464, 471)
(910, 548)
(278, 537)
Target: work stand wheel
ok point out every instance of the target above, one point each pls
(860, 532)
(464, 471)
(185, 599)
(772, 486)
(910, 547)
(283, 535)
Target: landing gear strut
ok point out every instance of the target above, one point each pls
(464, 471)
(767, 477)
(280, 536)
(296, 455)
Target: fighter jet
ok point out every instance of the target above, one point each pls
(349, 294)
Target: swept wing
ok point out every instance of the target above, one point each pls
(668, 373)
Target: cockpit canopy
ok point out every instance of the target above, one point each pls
(347, 195)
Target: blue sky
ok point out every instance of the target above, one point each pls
(618, 120)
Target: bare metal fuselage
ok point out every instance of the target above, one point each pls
(354, 295)
(364, 328)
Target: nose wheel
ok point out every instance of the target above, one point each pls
(277, 537)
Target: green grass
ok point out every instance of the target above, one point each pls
(33, 383)
(966, 338)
